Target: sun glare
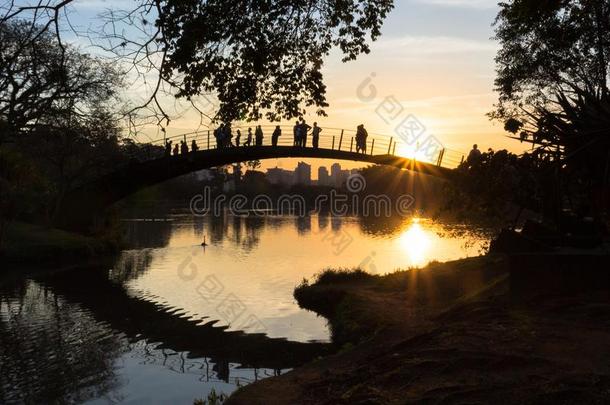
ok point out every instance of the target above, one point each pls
(411, 152)
(416, 243)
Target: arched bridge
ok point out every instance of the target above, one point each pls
(84, 203)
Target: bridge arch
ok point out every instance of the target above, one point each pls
(84, 204)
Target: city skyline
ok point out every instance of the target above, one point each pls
(303, 174)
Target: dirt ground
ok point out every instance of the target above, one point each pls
(451, 333)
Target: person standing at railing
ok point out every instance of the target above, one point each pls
(258, 134)
(228, 136)
(365, 136)
(304, 129)
(296, 132)
(358, 139)
(315, 135)
(194, 147)
(474, 157)
(237, 138)
(168, 148)
(276, 135)
(176, 150)
(184, 148)
(361, 136)
(218, 136)
(249, 139)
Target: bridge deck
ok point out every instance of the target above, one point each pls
(88, 201)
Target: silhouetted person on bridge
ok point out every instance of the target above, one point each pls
(304, 129)
(474, 157)
(361, 137)
(168, 148)
(296, 133)
(228, 136)
(276, 135)
(237, 138)
(315, 135)
(258, 134)
(218, 133)
(176, 150)
(184, 148)
(249, 139)
(194, 146)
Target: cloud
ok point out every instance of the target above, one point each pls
(426, 45)
(480, 4)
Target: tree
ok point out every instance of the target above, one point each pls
(73, 152)
(20, 187)
(263, 55)
(258, 57)
(43, 81)
(552, 77)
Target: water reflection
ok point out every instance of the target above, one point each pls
(78, 335)
(52, 349)
(138, 329)
(416, 243)
(257, 260)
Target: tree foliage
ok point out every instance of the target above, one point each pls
(257, 57)
(552, 77)
(43, 81)
(263, 55)
(548, 48)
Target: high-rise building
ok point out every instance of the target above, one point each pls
(323, 176)
(302, 174)
(338, 177)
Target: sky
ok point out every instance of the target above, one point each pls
(434, 61)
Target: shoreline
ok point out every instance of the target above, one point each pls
(447, 332)
(27, 244)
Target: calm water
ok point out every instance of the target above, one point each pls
(165, 321)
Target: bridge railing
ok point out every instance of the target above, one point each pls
(330, 139)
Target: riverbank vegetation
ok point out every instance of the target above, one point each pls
(28, 243)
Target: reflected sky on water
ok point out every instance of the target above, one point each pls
(252, 264)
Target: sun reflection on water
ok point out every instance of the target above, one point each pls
(416, 243)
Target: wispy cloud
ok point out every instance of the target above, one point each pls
(481, 4)
(427, 45)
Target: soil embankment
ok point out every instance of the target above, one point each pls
(448, 333)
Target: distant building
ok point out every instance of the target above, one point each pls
(338, 177)
(323, 176)
(302, 174)
(279, 176)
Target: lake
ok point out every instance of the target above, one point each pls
(168, 320)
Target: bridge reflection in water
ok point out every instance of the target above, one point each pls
(61, 336)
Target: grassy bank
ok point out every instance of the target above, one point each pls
(27, 243)
(359, 305)
(449, 333)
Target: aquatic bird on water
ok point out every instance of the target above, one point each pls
(204, 244)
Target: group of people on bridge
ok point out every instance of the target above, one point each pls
(225, 138)
(183, 148)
